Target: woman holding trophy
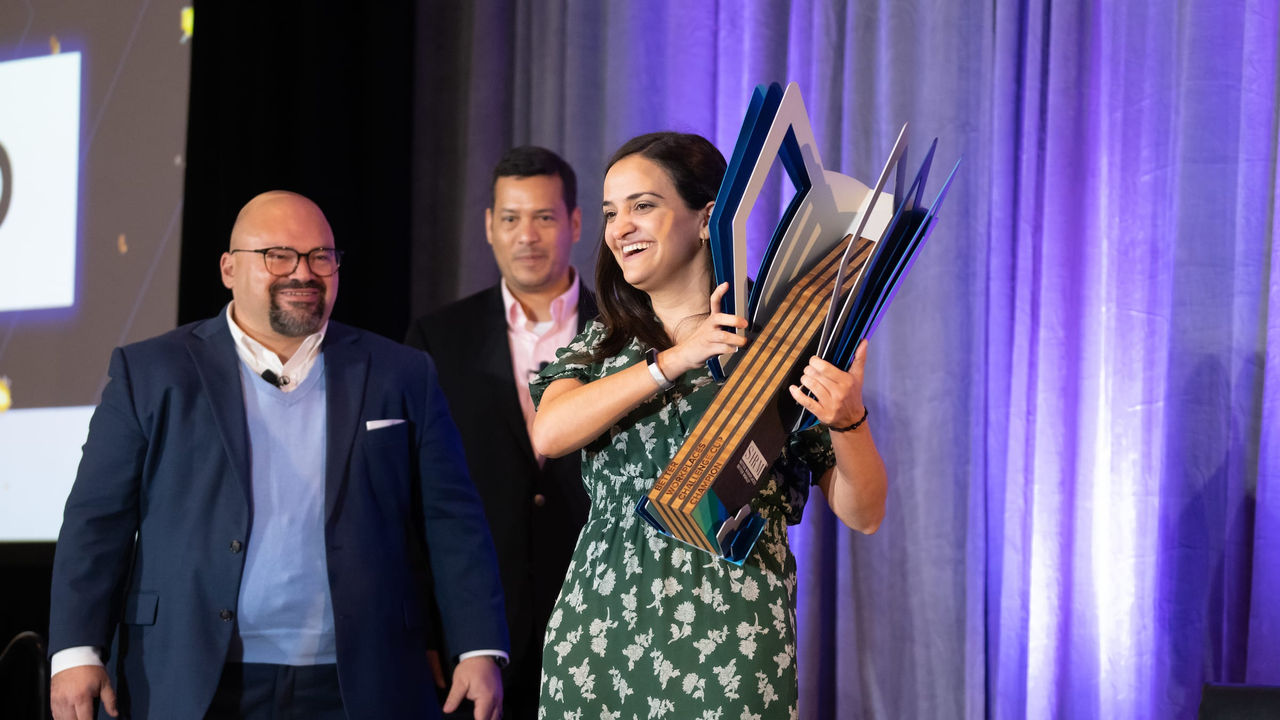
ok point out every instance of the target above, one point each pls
(646, 625)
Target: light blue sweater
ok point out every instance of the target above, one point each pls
(285, 614)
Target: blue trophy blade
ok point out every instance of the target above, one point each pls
(892, 247)
(722, 237)
(846, 337)
(793, 163)
(755, 127)
(836, 349)
(850, 341)
(888, 281)
(840, 335)
(732, 189)
(922, 234)
(721, 246)
(924, 168)
(896, 248)
(899, 179)
(835, 314)
(906, 235)
(831, 338)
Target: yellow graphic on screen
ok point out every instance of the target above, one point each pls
(188, 23)
(6, 400)
(122, 244)
(55, 46)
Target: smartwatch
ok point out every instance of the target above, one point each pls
(655, 372)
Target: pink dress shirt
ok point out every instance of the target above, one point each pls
(534, 344)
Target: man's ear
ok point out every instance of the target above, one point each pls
(488, 224)
(575, 222)
(227, 267)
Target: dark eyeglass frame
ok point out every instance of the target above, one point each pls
(297, 258)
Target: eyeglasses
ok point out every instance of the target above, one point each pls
(281, 261)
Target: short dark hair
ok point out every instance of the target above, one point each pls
(531, 161)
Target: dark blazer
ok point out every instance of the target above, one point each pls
(535, 514)
(167, 459)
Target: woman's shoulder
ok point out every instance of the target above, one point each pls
(581, 349)
(575, 360)
(585, 346)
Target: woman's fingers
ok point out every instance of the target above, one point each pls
(817, 385)
(720, 319)
(860, 356)
(723, 319)
(835, 395)
(818, 365)
(715, 335)
(729, 338)
(717, 295)
(841, 382)
(806, 402)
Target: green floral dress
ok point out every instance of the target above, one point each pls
(645, 626)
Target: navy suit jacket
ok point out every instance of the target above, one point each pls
(150, 553)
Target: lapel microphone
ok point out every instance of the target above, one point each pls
(541, 366)
(274, 379)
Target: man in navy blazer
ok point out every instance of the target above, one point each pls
(246, 537)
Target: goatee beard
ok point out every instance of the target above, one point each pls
(291, 322)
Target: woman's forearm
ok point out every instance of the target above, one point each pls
(573, 413)
(857, 486)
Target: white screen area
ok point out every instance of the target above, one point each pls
(93, 122)
(40, 137)
(37, 479)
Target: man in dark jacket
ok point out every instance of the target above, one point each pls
(535, 506)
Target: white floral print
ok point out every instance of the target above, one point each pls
(646, 627)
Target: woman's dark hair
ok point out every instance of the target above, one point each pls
(696, 168)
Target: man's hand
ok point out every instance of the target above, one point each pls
(72, 691)
(478, 680)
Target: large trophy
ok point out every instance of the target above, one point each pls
(834, 261)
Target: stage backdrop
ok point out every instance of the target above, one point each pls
(1071, 391)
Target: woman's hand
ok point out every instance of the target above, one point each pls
(707, 340)
(856, 488)
(835, 395)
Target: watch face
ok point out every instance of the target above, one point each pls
(651, 360)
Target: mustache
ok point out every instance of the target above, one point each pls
(312, 284)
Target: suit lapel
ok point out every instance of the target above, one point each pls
(495, 357)
(346, 369)
(214, 354)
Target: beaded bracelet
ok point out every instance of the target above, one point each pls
(854, 426)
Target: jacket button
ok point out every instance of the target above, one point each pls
(236, 546)
(539, 499)
(226, 615)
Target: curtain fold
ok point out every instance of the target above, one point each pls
(1072, 389)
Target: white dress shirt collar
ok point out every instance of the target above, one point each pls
(260, 359)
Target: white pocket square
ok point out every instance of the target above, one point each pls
(377, 424)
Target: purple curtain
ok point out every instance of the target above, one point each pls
(1071, 391)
